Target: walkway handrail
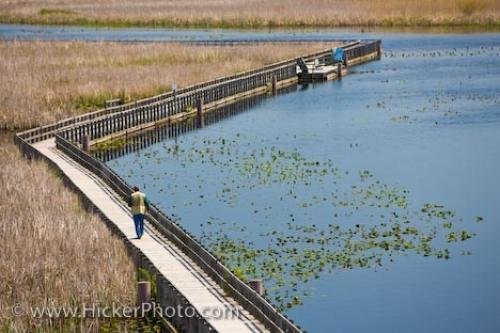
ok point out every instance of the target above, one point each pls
(47, 131)
(151, 113)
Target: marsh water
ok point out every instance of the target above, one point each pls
(367, 204)
(42, 32)
(134, 34)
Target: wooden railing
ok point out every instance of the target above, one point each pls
(142, 139)
(48, 131)
(156, 111)
(186, 99)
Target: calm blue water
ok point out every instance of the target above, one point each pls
(52, 32)
(41, 32)
(425, 118)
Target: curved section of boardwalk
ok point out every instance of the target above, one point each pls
(202, 293)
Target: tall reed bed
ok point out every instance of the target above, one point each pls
(51, 250)
(255, 13)
(45, 81)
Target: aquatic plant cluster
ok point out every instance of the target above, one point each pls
(272, 212)
(445, 104)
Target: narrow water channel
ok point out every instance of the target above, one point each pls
(367, 204)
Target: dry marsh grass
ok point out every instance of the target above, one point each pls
(43, 82)
(254, 13)
(51, 250)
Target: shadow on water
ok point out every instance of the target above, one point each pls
(144, 139)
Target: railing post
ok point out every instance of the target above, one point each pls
(257, 285)
(200, 119)
(85, 140)
(143, 292)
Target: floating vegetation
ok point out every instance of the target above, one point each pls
(110, 144)
(289, 218)
(444, 53)
(298, 253)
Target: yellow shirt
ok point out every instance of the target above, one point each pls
(138, 203)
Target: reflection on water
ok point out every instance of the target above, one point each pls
(141, 140)
(369, 203)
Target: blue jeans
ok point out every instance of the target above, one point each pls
(139, 224)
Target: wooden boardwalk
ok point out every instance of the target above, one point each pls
(200, 290)
(187, 274)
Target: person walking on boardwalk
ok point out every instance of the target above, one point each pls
(138, 204)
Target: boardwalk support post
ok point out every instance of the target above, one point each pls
(257, 285)
(379, 51)
(86, 142)
(143, 292)
(274, 85)
(339, 71)
(200, 119)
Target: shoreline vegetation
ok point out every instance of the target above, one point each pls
(46, 81)
(52, 251)
(254, 14)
